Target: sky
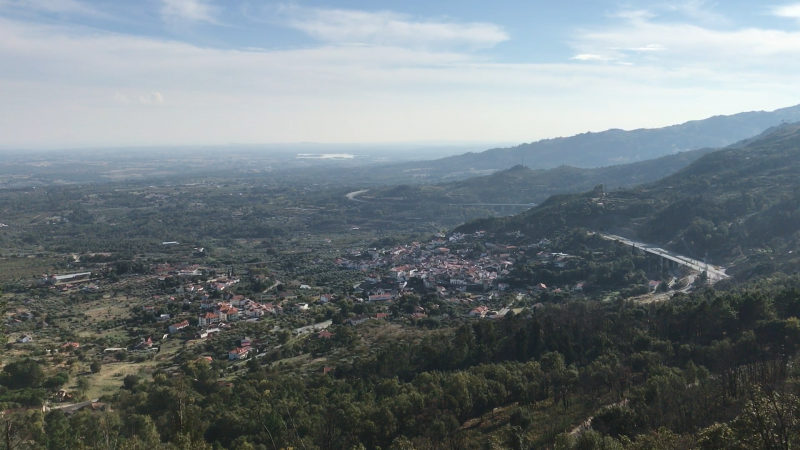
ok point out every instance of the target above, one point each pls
(119, 73)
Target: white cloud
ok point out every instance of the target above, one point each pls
(72, 82)
(648, 48)
(789, 11)
(389, 28)
(590, 57)
(640, 37)
(153, 98)
(195, 10)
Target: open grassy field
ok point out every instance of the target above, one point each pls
(109, 379)
(27, 267)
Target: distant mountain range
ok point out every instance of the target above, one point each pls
(589, 150)
(739, 205)
(521, 185)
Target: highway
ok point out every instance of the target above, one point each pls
(352, 196)
(715, 273)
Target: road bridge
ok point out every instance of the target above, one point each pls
(353, 196)
(715, 273)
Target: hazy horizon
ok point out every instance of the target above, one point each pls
(98, 73)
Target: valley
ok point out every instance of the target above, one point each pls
(518, 306)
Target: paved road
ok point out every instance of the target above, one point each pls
(274, 285)
(714, 273)
(526, 205)
(352, 196)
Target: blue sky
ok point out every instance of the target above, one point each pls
(153, 72)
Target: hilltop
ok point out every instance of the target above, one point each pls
(739, 205)
(522, 185)
(588, 150)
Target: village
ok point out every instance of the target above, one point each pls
(170, 313)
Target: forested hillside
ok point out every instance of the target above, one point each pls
(739, 205)
(602, 149)
(521, 184)
(707, 370)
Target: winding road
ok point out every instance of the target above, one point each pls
(352, 196)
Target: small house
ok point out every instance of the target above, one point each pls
(238, 353)
(174, 328)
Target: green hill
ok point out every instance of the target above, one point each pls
(602, 149)
(522, 185)
(741, 205)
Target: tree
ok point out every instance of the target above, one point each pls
(401, 443)
(22, 374)
(58, 432)
(56, 381)
(83, 385)
(130, 381)
(96, 366)
(140, 432)
(588, 440)
(770, 420)
(615, 421)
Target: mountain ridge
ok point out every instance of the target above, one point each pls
(739, 205)
(605, 148)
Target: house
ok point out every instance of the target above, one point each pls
(25, 338)
(162, 317)
(480, 311)
(381, 315)
(208, 319)
(63, 396)
(381, 297)
(207, 304)
(91, 406)
(325, 298)
(398, 273)
(238, 353)
(540, 287)
(326, 370)
(174, 328)
(578, 287)
(653, 284)
(70, 345)
(301, 306)
(207, 333)
(228, 313)
(418, 315)
(72, 277)
(357, 319)
(324, 334)
(245, 342)
(146, 343)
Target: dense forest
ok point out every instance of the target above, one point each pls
(523, 185)
(709, 370)
(715, 368)
(738, 205)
